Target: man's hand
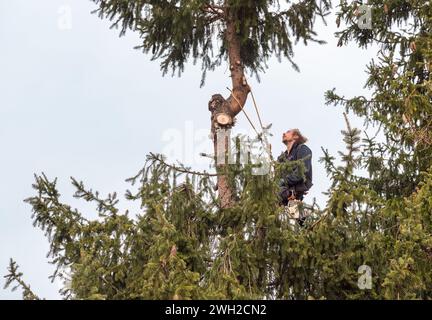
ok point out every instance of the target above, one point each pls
(291, 196)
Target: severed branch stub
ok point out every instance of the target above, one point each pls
(222, 116)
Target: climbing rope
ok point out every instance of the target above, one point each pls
(244, 111)
(256, 109)
(261, 123)
(259, 135)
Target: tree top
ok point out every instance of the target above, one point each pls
(177, 31)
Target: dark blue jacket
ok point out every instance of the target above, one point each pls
(293, 179)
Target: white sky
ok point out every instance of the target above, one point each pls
(81, 102)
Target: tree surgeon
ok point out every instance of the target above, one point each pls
(294, 185)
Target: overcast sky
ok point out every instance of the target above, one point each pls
(77, 100)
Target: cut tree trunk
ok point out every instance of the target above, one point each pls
(223, 111)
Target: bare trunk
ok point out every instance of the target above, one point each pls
(224, 189)
(223, 111)
(240, 88)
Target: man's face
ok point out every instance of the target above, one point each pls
(288, 136)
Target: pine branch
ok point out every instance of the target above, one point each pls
(181, 169)
(104, 205)
(15, 276)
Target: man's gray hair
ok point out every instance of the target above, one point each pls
(301, 138)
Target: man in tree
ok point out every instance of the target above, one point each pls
(243, 34)
(294, 184)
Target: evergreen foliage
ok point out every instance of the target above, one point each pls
(176, 31)
(182, 245)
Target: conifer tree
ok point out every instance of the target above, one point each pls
(184, 245)
(401, 105)
(401, 88)
(240, 34)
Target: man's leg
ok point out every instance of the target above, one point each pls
(302, 219)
